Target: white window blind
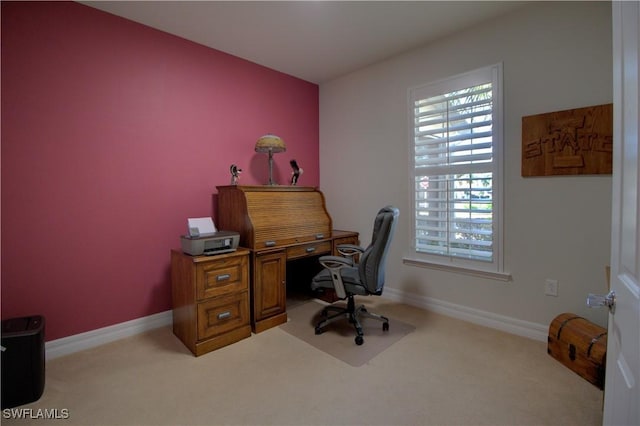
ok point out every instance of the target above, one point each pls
(455, 166)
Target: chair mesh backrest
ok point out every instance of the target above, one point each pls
(372, 262)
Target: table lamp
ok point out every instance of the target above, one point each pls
(271, 144)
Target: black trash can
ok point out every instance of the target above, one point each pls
(22, 360)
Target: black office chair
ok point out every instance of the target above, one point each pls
(350, 278)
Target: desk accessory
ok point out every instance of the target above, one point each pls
(210, 244)
(200, 226)
(205, 239)
(270, 144)
(235, 174)
(297, 171)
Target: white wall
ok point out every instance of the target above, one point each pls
(556, 56)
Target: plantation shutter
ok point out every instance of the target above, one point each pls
(453, 168)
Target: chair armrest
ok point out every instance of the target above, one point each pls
(349, 250)
(335, 262)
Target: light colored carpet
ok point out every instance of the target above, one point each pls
(338, 338)
(445, 372)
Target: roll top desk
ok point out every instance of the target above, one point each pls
(277, 224)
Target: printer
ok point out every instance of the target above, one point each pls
(209, 244)
(205, 239)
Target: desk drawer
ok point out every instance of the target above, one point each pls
(311, 249)
(220, 277)
(222, 314)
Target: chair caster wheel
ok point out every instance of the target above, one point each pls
(319, 330)
(385, 326)
(359, 340)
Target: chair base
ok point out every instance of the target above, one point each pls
(353, 314)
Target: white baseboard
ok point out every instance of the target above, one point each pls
(511, 325)
(93, 338)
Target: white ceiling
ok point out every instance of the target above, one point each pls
(312, 40)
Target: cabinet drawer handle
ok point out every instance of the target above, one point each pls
(311, 249)
(224, 315)
(270, 243)
(319, 236)
(223, 277)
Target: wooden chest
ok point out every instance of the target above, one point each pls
(580, 345)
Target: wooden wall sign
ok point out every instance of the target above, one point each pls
(572, 142)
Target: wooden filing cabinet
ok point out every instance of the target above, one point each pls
(210, 299)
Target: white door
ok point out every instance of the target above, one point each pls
(622, 387)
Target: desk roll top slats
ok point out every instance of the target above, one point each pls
(273, 216)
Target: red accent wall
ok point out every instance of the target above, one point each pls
(113, 134)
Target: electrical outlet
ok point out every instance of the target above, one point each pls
(551, 287)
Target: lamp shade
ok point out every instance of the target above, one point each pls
(270, 143)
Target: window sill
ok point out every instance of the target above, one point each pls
(500, 276)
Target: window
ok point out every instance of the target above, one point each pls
(456, 142)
